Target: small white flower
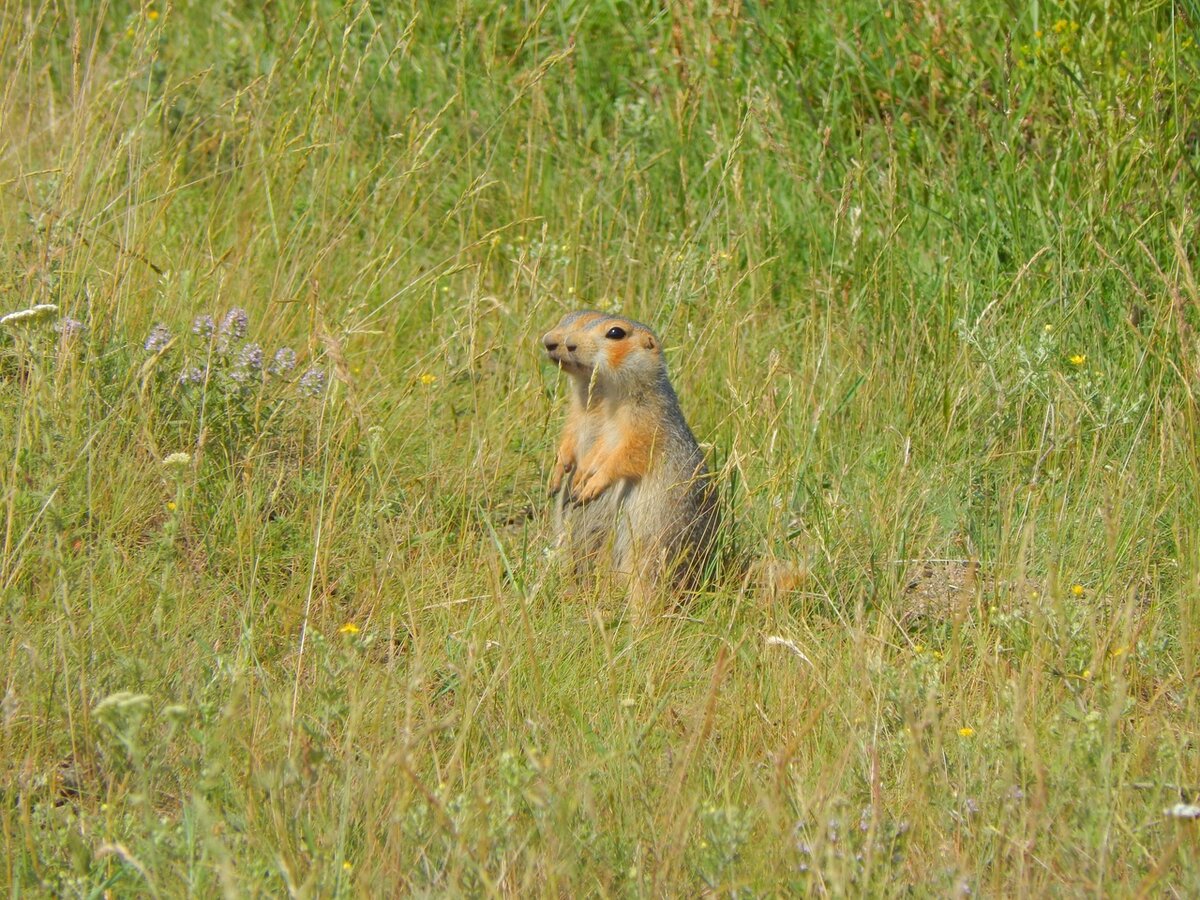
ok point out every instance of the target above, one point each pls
(178, 458)
(34, 313)
(122, 701)
(1183, 811)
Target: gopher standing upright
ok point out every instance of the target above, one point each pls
(632, 486)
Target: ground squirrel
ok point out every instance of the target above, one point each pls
(632, 487)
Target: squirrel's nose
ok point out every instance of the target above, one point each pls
(550, 345)
(570, 348)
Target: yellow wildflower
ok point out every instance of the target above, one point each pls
(966, 731)
(349, 628)
(1077, 590)
(171, 505)
(152, 15)
(1077, 359)
(347, 865)
(427, 378)
(1060, 26)
(1086, 674)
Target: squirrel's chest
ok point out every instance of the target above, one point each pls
(600, 435)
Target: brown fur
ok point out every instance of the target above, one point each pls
(633, 489)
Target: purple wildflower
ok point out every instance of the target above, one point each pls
(204, 326)
(970, 806)
(158, 338)
(250, 357)
(191, 375)
(284, 361)
(68, 327)
(235, 323)
(312, 382)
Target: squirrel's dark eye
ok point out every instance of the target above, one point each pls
(615, 333)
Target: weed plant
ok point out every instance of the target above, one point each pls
(277, 614)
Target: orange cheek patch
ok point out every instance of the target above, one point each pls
(617, 351)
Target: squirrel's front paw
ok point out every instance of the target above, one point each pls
(591, 487)
(561, 471)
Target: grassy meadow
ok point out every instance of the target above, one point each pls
(278, 614)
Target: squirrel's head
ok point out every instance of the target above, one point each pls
(608, 354)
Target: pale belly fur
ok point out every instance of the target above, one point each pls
(633, 527)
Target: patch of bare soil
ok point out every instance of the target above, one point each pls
(942, 589)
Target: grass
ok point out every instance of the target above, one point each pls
(926, 275)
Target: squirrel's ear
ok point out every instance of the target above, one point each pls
(649, 341)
